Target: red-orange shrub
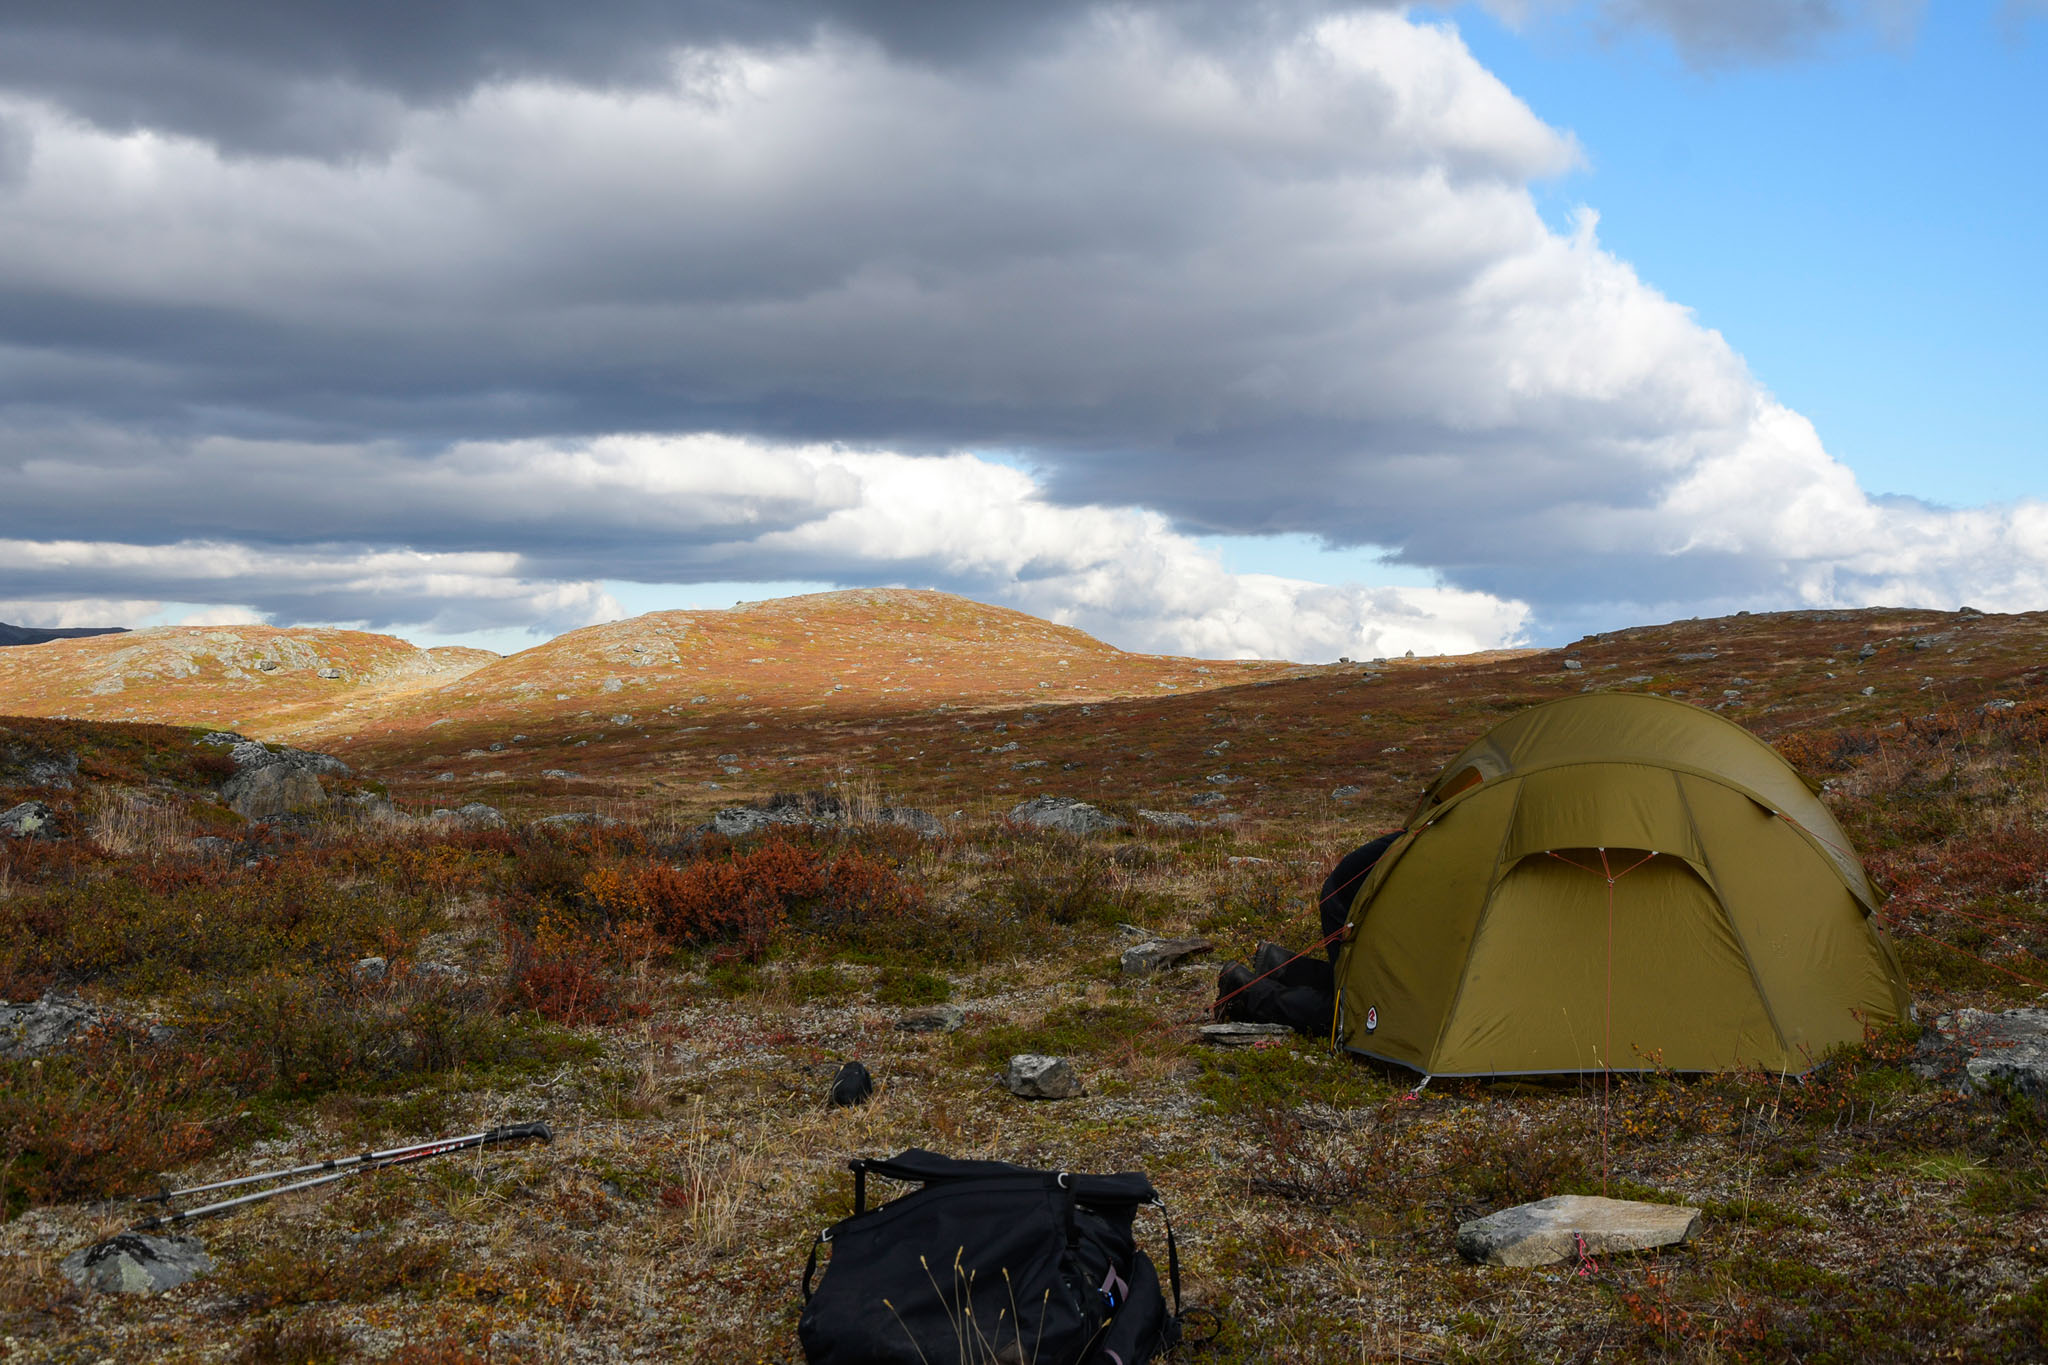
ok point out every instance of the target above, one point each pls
(571, 974)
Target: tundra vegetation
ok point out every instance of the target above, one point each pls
(675, 1003)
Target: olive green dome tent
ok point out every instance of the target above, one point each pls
(1615, 881)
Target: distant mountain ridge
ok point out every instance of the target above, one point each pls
(36, 635)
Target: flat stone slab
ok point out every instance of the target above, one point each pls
(136, 1263)
(937, 1019)
(1033, 1077)
(1242, 1035)
(1549, 1230)
(1159, 954)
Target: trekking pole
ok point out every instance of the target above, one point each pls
(326, 1172)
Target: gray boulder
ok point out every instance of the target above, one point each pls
(937, 1019)
(1161, 954)
(33, 1028)
(36, 1027)
(737, 822)
(249, 755)
(1065, 814)
(1241, 1035)
(477, 815)
(1553, 1230)
(21, 766)
(1033, 1077)
(923, 822)
(2008, 1049)
(575, 820)
(136, 1263)
(1347, 793)
(29, 820)
(1169, 819)
(272, 790)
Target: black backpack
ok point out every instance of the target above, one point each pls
(989, 1264)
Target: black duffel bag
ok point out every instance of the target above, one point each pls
(989, 1264)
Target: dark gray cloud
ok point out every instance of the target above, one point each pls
(331, 78)
(1284, 277)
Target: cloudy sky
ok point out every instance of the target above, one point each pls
(1293, 329)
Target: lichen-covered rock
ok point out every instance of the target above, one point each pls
(576, 820)
(29, 820)
(2008, 1049)
(1169, 819)
(477, 815)
(272, 790)
(1064, 813)
(1559, 1228)
(923, 822)
(136, 1263)
(31, 766)
(36, 1027)
(1034, 1077)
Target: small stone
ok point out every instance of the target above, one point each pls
(1033, 1077)
(559, 774)
(1573, 665)
(1869, 691)
(937, 1019)
(1241, 1035)
(477, 815)
(1160, 954)
(371, 969)
(136, 1263)
(331, 674)
(1551, 1230)
(2000, 704)
(29, 820)
(1347, 793)
(267, 665)
(1868, 651)
(1207, 799)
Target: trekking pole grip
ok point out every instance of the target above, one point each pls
(519, 1132)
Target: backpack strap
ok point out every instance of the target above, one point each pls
(860, 1185)
(1172, 1254)
(811, 1265)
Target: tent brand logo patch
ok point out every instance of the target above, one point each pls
(1372, 1017)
